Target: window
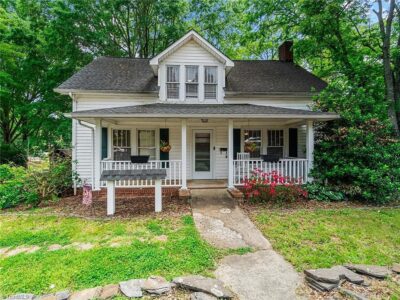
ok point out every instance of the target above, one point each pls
(147, 143)
(192, 81)
(210, 82)
(252, 142)
(121, 144)
(275, 142)
(173, 82)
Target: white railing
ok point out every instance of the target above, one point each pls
(292, 169)
(173, 167)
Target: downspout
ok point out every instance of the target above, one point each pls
(92, 130)
(73, 142)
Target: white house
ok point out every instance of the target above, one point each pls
(221, 117)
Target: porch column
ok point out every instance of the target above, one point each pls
(230, 153)
(310, 145)
(97, 154)
(184, 153)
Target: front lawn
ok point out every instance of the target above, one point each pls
(324, 238)
(122, 249)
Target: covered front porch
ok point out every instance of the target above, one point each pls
(209, 142)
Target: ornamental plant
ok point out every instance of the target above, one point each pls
(263, 187)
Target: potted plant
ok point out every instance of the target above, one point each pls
(250, 147)
(165, 146)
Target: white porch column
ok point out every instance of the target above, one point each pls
(97, 154)
(310, 145)
(230, 153)
(184, 153)
(110, 197)
(158, 195)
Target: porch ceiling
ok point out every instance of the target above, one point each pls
(232, 111)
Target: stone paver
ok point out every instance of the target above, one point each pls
(156, 285)
(54, 247)
(203, 284)
(263, 274)
(109, 291)
(396, 268)
(22, 249)
(334, 275)
(21, 297)
(202, 296)
(87, 294)
(370, 270)
(132, 288)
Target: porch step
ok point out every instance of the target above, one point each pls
(207, 184)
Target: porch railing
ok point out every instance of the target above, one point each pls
(296, 168)
(173, 167)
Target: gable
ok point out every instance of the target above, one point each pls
(191, 52)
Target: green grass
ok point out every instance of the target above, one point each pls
(323, 238)
(142, 255)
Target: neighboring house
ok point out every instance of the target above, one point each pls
(218, 115)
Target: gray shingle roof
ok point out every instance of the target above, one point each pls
(135, 75)
(201, 110)
(114, 74)
(270, 76)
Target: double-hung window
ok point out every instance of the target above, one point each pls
(275, 142)
(173, 82)
(192, 81)
(210, 82)
(121, 144)
(147, 143)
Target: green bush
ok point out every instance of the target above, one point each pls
(12, 154)
(15, 187)
(19, 185)
(323, 193)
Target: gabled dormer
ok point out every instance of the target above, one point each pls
(191, 70)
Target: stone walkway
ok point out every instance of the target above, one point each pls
(262, 274)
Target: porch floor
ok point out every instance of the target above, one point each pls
(207, 184)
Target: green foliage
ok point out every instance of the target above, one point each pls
(15, 187)
(139, 255)
(30, 186)
(12, 154)
(323, 193)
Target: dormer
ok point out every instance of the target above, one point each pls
(191, 70)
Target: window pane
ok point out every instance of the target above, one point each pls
(172, 73)
(191, 90)
(210, 91)
(210, 74)
(147, 138)
(252, 142)
(192, 74)
(121, 144)
(173, 90)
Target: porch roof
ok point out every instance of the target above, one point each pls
(235, 111)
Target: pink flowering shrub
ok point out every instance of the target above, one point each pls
(272, 187)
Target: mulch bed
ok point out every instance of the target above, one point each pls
(126, 207)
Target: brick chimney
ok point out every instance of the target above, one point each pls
(285, 51)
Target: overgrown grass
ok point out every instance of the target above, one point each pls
(140, 255)
(323, 238)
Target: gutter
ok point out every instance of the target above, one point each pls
(92, 130)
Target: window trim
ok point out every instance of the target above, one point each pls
(210, 84)
(190, 83)
(111, 140)
(173, 82)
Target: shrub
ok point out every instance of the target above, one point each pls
(19, 185)
(323, 193)
(12, 154)
(15, 188)
(272, 187)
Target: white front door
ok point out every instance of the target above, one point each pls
(202, 154)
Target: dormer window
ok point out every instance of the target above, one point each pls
(192, 81)
(173, 82)
(210, 82)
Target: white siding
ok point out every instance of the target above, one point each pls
(277, 101)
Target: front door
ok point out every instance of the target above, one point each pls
(202, 154)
